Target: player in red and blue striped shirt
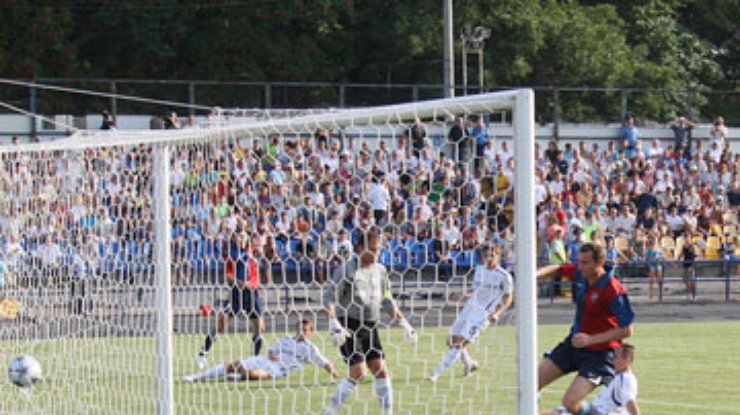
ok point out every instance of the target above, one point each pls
(603, 318)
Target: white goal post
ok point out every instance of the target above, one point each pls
(153, 279)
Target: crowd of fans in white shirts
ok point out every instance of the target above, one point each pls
(302, 199)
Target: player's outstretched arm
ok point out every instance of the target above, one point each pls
(633, 408)
(332, 371)
(547, 271)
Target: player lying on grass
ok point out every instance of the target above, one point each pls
(285, 357)
(620, 396)
(489, 299)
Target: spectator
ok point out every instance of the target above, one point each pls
(653, 256)
(558, 255)
(675, 222)
(49, 256)
(688, 254)
(506, 152)
(561, 163)
(612, 254)
(719, 132)
(457, 140)
(733, 194)
(480, 135)
(682, 128)
(418, 137)
(3, 277)
(108, 123)
(630, 137)
(451, 234)
(191, 122)
(590, 227)
(171, 122)
(380, 198)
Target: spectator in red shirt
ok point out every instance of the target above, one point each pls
(559, 212)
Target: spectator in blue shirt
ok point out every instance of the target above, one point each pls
(480, 135)
(3, 271)
(630, 136)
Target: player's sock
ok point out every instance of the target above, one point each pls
(465, 357)
(384, 392)
(344, 390)
(585, 408)
(449, 359)
(214, 372)
(210, 339)
(257, 343)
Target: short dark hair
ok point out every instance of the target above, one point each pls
(596, 249)
(628, 351)
(306, 323)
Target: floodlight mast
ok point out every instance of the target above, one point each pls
(473, 41)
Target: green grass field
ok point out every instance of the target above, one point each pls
(683, 368)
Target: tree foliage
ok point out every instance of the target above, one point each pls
(671, 44)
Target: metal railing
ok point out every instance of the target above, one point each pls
(553, 104)
(713, 278)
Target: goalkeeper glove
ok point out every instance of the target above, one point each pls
(408, 332)
(339, 334)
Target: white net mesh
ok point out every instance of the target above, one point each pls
(274, 207)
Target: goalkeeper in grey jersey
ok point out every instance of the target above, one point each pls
(359, 290)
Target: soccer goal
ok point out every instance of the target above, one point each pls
(122, 249)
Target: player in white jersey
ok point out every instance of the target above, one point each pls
(283, 358)
(490, 298)
(620, 396)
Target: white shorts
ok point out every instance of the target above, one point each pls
(471, 321)
(264, 364)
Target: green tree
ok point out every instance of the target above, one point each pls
(670, 44)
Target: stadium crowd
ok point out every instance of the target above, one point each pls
(302, 200)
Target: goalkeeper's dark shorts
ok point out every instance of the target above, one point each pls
(245, 301)
(364, 344)
(595, 365)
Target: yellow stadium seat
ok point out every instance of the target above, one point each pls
(729, 230)
(712, 253)
(668, 244)
(714, 242)
(716, 229)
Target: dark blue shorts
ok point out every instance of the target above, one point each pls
(245, 301)
(594, 365)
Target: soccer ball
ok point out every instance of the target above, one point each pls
(24, 371)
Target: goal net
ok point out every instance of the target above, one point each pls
(122, 250)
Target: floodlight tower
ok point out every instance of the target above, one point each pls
(473, 41)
